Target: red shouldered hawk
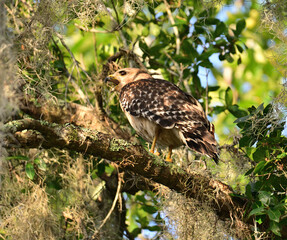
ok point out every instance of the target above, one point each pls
(162, 113)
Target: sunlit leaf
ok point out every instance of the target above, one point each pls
(18, 157)
(257, 211)
(274, 227)
(228, 97)
(41, 164)
(274, 214)
(30, 171)
(259, 167)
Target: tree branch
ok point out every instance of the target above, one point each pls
(73, 113)
(33, 133)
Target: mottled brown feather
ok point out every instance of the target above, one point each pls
(180, 116)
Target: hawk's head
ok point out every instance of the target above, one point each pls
(127, 75)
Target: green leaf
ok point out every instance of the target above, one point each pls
(187, 48)
(30, 171)
(211, 21)
(18, 157)
(239, 61)
(239, 48)
(274, 214)
(229, 58)
(154, 228)
(109, 169)
(246, 141)
(259, 109)
(213, 88)
(234, 109)
(149, 209)
(282, 155)
(41, 164)
(248, 191)
(232, 49)
(259, 220)
(143, 46)
(204, 13)
(145, 31)
(207, 54)
(228, 97)
(240, 25)
(219, 109)
(206, 63)
(136, 231)
(140, 198)
(249, 172)
(221, 57)
(275, 228)
(265, 197)
(259, 167)
(242, 119)
(198, 28)
(259, 154)
(155, 50)
(220, 28)
(179, 22)
(257, 211)
(267, 109)
(100, 169)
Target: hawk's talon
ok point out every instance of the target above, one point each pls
(157, 153)
(168, 159)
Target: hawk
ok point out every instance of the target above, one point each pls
(162, 113)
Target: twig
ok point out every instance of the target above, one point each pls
(117, 15)
(69, 79)
(92, 30)
(206, 92)
(96, 52)
(118, 28)
(175, 29)
(113, 205)
(180, 68)
(70, 76)
(77, 64)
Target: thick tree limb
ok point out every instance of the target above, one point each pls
(73, 113)
(33, 133)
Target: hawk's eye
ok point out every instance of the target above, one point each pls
(123, 73)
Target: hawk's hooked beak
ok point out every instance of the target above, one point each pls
(112, 79)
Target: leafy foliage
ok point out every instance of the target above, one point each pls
(266, 148)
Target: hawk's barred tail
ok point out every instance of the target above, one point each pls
(204, 144)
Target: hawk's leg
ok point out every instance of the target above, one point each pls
(157, 130)
(168, 157)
